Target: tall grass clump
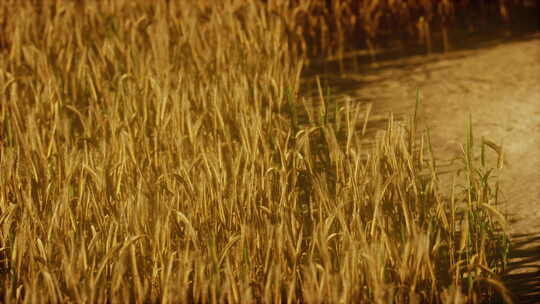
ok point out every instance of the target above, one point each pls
(161, 152)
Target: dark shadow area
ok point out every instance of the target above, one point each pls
(522, 277)
(463, 35)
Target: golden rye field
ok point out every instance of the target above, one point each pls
(162, 152)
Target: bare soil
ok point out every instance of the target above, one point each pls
(497, 83)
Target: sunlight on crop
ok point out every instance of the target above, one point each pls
(163, 152)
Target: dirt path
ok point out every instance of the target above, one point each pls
(498, 83)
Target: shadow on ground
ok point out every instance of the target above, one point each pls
(522, 276)
(525, 22)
